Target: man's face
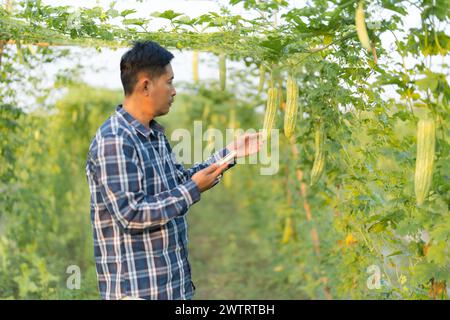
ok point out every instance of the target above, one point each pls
(162, 92)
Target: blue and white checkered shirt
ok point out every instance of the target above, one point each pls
(140, 196)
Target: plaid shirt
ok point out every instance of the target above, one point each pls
(140, 196)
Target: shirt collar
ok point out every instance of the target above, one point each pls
(154, 129)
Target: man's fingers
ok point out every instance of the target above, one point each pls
(254, 134)
(251, 136)
(261, 138)
(220, 169)
(211, 168)
(258, 136)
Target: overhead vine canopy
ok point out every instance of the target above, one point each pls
(312, 29)
(259, 38)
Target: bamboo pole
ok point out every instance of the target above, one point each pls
(20, 30)
(2, 45)
(8, 7)
(313, 233)
(306, 206)
(288, 190)
(26, 33)
(38, 44)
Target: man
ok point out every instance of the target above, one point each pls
(140, 194)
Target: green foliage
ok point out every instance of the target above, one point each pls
(47, 225)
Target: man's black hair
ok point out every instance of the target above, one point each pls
(147, 56)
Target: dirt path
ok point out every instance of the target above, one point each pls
(229, 260)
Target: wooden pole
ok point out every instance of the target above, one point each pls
(306, 206)
(313, 233)
(8, 8)
(38, 44)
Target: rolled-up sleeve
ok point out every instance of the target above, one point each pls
(120, 177)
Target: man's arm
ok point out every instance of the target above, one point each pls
(120, 177)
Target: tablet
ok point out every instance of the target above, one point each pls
(227, 158)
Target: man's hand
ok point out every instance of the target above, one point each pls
(208, 177)
(247, 144)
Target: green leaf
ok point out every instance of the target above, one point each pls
(424, 272)
(407, 227)
(430, 81)
(377, 227)
(274, 43)
(392, 5)
(441, 232)
(124, 13)
(168, 14)
(438, 253)
(396, 253)
(113, 13)
(138, 22)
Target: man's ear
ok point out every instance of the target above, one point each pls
(147, 86)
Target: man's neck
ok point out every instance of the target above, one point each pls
(134, 108)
